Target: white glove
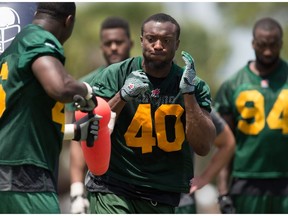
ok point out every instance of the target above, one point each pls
(135, 84)
(187, 83)
(86, 125)
(79, 203)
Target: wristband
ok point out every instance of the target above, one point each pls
(89, 90)
(69, 131)
(189, 93)
(77, 136)
(76, 189)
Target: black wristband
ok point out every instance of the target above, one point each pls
(77, 135)
(189, 93)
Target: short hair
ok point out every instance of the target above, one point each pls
(116, 22)
(57, 10)
(269, 24)
(162, 17)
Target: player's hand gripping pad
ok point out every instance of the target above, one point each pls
(97, 157)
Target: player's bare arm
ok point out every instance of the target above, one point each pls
(116, 104)
(225, 144)
(200, 130)
(57, 83)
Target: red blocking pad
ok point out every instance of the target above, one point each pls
(97, 157)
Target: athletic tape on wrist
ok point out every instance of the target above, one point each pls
(76, 189)
(69, 131)
(89, 90)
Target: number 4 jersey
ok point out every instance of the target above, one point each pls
(31, 122)
(260, 111)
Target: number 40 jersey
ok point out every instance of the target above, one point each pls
(148, 142)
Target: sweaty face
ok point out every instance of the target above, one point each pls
(115, 45)
(159, 43)
(267, 46)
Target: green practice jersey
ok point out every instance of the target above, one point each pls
(90, 76)
(31, 123)
(260, 110)
(149, 148)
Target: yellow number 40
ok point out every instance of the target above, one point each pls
(142, 120)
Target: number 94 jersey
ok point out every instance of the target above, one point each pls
(260, 112)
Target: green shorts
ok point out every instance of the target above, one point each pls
(187, 205)
(101, 203)
(260, 204)
(28, 203)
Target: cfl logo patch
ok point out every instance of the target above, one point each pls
(155, 93)
(131, 86)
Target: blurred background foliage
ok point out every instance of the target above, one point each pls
(244, 13)
(209, 47)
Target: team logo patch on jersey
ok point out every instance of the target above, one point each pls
(131, 86)
(155, 93)
(264, 83)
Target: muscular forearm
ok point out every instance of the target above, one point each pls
(223, 180)
(55, 80)
(200, 130)
(116, 104)
(225, 144)
(77, 163)
(219, 160)
(72, 88)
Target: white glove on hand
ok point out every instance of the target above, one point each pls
(79, 203)
(135, 84)
(86, 125)
(187, 83)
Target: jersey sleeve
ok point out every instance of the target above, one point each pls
(222, 102)
(40, 43)
(203, 94)
(218, 122)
